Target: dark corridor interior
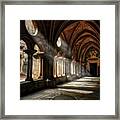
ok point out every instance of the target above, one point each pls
(93, 69)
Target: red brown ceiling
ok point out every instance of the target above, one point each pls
(79, 35)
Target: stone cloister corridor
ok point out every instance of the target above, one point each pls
(59, 59)
(86, 88)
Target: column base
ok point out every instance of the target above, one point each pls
(29, 79)
(50, 83)
(40, 77)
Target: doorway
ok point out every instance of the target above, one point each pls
(93, 69)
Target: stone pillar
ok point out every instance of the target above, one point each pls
(41, 64)
(56, 67)
(42, 67)
(76, 69)
(69, 62)
(48, 70)
(29, 67)
(21, 61)
(48, 66)
(79, 69)
(64, 66)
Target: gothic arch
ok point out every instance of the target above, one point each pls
(28, 40)
(88, 45)
(84, 52)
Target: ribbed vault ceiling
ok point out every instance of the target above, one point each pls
(79, 35)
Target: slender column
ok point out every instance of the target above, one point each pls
(21, 61)
(41, 64)
(64, 66)
(82, 72)
(29, 68)
(69, 67)
(63, 74)
(55, 66)
(76, 68)
(72, 67)
(42, 68)
(79, 69)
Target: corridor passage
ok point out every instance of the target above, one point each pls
(86, 88)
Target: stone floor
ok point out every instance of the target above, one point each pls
(86, 88)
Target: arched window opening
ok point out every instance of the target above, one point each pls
(23, 61)
(74, 67)
(67, 67)
(31, 27)
(59, 65)
(59, 42)
(37, 70)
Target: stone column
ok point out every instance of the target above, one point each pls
(56, 67)
(48, 66)
(29, 67)
(42, 67)
(66, 67)
(41, 64)
(48, 70)
(69, 62)
(76, 68)
(79, 69)
(64, 64)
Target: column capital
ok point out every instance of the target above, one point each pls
(38, 55)
(30, 52)
(41, 54)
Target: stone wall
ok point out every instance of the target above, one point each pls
(61, 80)
(27, 87)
